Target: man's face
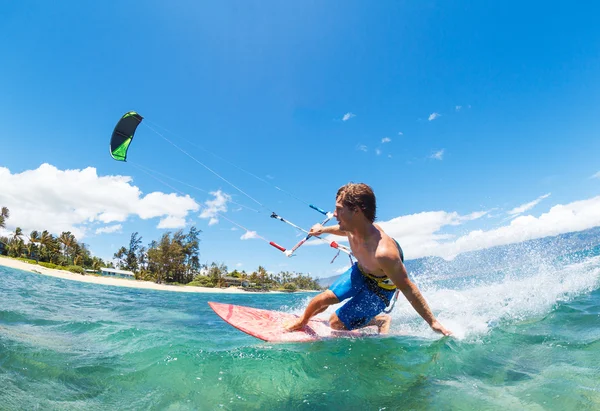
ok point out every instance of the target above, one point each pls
(343, 214)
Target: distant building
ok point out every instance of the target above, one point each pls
(2, 247)
(113, 272)
(234, 281)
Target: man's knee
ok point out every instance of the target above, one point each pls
(383, 320)
(335, 323)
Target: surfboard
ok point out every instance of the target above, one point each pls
(268, 325)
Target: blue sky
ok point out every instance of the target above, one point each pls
(475, 123)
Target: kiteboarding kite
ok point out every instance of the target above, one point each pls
(123, 135)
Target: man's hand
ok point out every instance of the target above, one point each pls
(316, 230)
(295, 325)
(439, 328)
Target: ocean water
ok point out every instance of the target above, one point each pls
(526, 338)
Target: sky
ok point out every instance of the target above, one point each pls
(475, 123)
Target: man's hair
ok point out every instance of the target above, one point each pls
(358, 196)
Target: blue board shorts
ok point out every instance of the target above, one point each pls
(368, 299)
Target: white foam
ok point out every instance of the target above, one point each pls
(472, 312)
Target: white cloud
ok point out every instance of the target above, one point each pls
(74, 200)
(248, 235)
(575, 216)
(400, 133)
(213, 207)
(528, 206)
(342, 270)
(109, 229)
(377, 151)
(171, 222)
(362, 147)
(458, 108)
(597, 175)
(439, 155)
(386, 139)
(348, 116)
(433, 116)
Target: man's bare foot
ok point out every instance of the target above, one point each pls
(294, 325)
(383, 322)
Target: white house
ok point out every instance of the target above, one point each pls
(113, 272)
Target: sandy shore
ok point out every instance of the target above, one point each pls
(118, 282)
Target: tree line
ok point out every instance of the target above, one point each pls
(44, 247)
(174, 259)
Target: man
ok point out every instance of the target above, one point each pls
(371, 281)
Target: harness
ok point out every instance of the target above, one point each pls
(381, 282)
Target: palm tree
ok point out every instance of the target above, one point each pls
(67, 240)
(77, 254)
(262, 274)
(34, 237)
(53, 249)
(45, 243)
(16, 247)
(16, 243)
(96, 264)
(4, 214)
(120, 257)
(18, 234)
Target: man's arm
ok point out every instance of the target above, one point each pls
(318, 229)
(395, 270)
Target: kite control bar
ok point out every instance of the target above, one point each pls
(289, 252)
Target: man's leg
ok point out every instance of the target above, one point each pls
(346, 286)
(383, 322)
(335, 323)
(362, 310)
(317, 305)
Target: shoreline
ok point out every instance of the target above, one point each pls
(122, 282)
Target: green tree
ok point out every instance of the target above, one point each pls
(16, 247)
(34, 238)
(142, 257)
(262, 275)
(45, 242)
(17, 234)
(216, 272)
(121, 256)
(67, 240)
(131, 258)
(4, 214)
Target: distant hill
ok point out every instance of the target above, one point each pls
(564, 246)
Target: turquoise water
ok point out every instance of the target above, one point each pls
(526, 339)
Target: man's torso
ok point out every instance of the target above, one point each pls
(366, 250)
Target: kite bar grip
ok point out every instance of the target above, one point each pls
(277, 246)
(334, 244)
(318, 209)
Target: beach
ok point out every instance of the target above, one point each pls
(118, 282)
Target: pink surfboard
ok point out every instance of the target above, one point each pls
(269, 325)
